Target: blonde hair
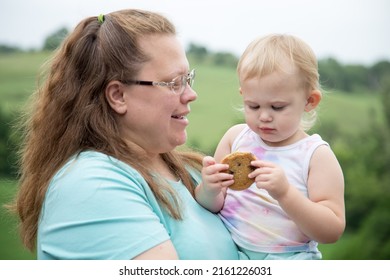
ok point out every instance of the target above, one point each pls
(270, 53)
(70, 113)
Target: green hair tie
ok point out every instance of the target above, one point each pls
(101, 18)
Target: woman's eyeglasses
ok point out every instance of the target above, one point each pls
(177, 85)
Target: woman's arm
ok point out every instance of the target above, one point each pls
(163, 251)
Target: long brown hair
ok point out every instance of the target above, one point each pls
(69, 113)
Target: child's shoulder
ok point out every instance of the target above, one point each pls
(236, 129)
(225, 144)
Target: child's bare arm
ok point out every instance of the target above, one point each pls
(322, 216)
(225, 145)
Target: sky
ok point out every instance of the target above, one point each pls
(351, 31)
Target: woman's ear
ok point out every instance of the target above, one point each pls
(313, 100)
(115, 96)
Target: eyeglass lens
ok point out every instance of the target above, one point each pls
(179, 83)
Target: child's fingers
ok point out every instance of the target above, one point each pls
(261, 163)
(222, 176)
(227, 183)
(207, 161)
(211, 167)
(262, 167)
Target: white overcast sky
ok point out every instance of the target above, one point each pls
(352, 31)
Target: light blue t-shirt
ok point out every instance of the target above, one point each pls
(97, 207)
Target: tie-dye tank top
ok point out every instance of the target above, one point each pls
(253, 217)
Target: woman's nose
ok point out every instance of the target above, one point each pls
(188, 95)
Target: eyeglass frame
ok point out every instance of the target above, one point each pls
(189, 80)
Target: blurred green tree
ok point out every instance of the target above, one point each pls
(53, 41)
(8, 144)
(366, 159)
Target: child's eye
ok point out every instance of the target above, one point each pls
(278, 108)
(254, 107)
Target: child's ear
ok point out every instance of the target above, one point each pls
(115, 96)
(240, 90)
(313, 100)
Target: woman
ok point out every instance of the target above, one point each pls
(101, 176)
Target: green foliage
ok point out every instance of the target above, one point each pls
(365, 158)
(8, 49)
(331, 74)
(352, 78)
(381, 73)
(11, 246)
(18, 77)
(8, 145)
(386, 97)
(201, 55)
(53, 41)
(225, 59)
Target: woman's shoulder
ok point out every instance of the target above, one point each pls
(95, 161)
(91, 167)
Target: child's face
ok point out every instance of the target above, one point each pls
(274, 105)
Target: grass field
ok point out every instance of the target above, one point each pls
(18, 76)
(212, 113)
(10, 245)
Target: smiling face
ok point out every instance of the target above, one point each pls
(154, 117)
(274, 105)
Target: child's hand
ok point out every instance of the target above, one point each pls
(213, 177)
(270, 177)
(211, 192)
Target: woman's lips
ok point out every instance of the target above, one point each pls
(182, 118)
